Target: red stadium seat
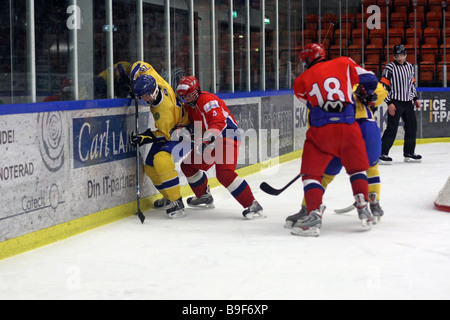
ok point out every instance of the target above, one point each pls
(373, 53)
(329, 20)
(355, 52)
(357, 36)
(434, 19)
(447, 53)
(344, 34)
(334, 51)
(395, 36)
(421, 6)
(377, 36)
(399, 19)
(401, 5)
(419, 21)
(426, 72)
(431, 35)
(312, 21)
(348, 17)
(309, 35)
(435, 5)
(410, 36)
(410, 53)
(347, 25)
(429, 53)
(447, 19)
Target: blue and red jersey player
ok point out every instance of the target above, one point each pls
(326, 87)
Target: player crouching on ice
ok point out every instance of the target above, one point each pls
(168, 114)
(219, 145)
(326, 87)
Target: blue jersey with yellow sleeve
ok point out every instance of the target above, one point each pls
(365, 112)
(169, 112)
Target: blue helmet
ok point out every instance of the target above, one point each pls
(146, 85)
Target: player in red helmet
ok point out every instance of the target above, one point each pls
(326, 87)
(313, 53)
(220, 137)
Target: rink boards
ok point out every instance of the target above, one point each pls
(67, 167)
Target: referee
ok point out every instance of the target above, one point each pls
(398, 79)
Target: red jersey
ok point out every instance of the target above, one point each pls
(213, 113)
(331, 80)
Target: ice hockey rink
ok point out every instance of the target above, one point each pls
(215, 254)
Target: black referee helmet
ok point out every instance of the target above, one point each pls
(399, 49)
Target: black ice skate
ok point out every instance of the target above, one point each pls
(162, 203)
(384, 159)
(205, 201)
(412, 157)
(176, 209)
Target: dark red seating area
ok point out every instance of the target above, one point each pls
(351, 32)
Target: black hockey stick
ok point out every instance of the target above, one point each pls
(138, 185)
(274, 192)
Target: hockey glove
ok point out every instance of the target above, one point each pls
(143, 138)
(201, 145)
(122, 87)
(365, 98)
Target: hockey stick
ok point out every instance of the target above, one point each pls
(138, 186)
(274, 192)
(346, 209)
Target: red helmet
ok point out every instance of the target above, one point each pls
(313, 52)
(189, 89)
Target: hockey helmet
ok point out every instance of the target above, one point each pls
(189, 90)
(312, 53)
(146, 88)
(399, 49)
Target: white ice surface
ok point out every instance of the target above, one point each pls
(215, 254)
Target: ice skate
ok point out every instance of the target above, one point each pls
(254, 211)
(161, 203)
(375, 207)
(412, 157)
(364, 214)
(176, 209)
(205, 201)
(309, 225)
(384, 159)
(293, 218)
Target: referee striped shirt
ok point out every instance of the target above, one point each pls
(398, 79)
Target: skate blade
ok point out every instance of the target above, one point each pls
(178, 214)
(412, 160)
(202, 206)
(288, 224)
(385, 163)
(310, 232)
(367, 224)
(254, 216)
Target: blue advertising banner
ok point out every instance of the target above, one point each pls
(98, 140)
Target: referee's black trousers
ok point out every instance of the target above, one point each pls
(405, 110)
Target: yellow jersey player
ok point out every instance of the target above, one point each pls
(365, 108)
(168, 113)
